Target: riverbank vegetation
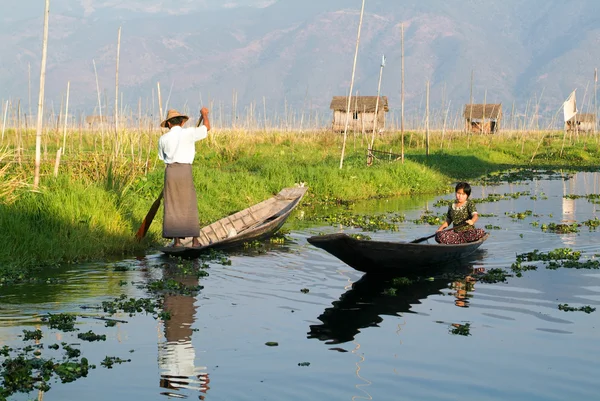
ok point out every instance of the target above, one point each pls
(105, 184)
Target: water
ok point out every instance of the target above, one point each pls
(336, 341)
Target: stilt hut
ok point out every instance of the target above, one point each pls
(362, 113)
(584, 122)
(483, 118)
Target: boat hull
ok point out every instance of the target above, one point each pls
(254, 223)
(381, 257)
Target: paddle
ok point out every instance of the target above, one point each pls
(433, 235)
(141, 232)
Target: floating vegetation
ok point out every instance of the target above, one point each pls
(522, 175)
(491, 198)
(360, 237)
(91, 336)
(561, 228)
(492, 276)
(519, 215)
(271, 344)
(109, 361)
(492, 227)
(173, 287)
(592, 224)
(401, 281)
(567, 308)
(487, 215)
(591, 264)
(365, 222)
(23, 374)
(429, 218)
(304, 364)
(62, 321)
(130, 305)
(32, 335)
(555, 259)
(461, 329)
(390, 292)
(592, 198)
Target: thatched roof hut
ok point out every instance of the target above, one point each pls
(362, 113)
(359, 103)
(483, 117)
(585, 122)
(481, 111)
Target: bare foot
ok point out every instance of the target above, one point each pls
(195, 243)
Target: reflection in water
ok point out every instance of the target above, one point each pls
(176, 356)
(369, 298)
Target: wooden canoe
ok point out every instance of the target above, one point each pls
(256, 222)
(380, 257)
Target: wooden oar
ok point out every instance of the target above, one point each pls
(433, 235)
(141, 232)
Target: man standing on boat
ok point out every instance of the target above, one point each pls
(177, 149)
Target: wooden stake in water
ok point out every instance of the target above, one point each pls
(370, 150)
(40, 116)
(362, 12)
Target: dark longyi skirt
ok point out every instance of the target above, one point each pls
(181, 204)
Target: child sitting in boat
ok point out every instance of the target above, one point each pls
(463, 215)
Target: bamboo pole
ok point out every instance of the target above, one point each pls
(117, 84)
(402, 90)
(160, 109)
(427, 123)
(66, 117)
(4, 120)
(376, 117)
(362, 11)
(40, 116)
(99, 104)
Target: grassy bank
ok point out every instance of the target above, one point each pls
(95, 205)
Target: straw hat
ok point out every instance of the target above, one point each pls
(172, 114)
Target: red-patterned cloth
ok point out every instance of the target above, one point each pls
(471, 234)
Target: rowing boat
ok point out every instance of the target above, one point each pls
(381, 257)
(254, 223)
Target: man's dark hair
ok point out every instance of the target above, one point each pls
(464, 186)
(176, 120)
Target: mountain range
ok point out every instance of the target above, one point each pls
(289, 58)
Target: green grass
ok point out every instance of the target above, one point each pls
(95, 205)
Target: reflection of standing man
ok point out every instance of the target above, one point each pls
(177, 149)
(176, 356)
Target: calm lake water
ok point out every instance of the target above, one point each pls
(437, 339)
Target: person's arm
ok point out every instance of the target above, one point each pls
(440, 228)
(473, 213)
(447, 222)
(205, 120)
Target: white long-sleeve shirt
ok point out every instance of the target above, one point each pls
(178, 145)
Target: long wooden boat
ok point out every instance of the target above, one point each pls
(381, 257)
(256, 222)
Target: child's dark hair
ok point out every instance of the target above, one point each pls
(465, 187)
